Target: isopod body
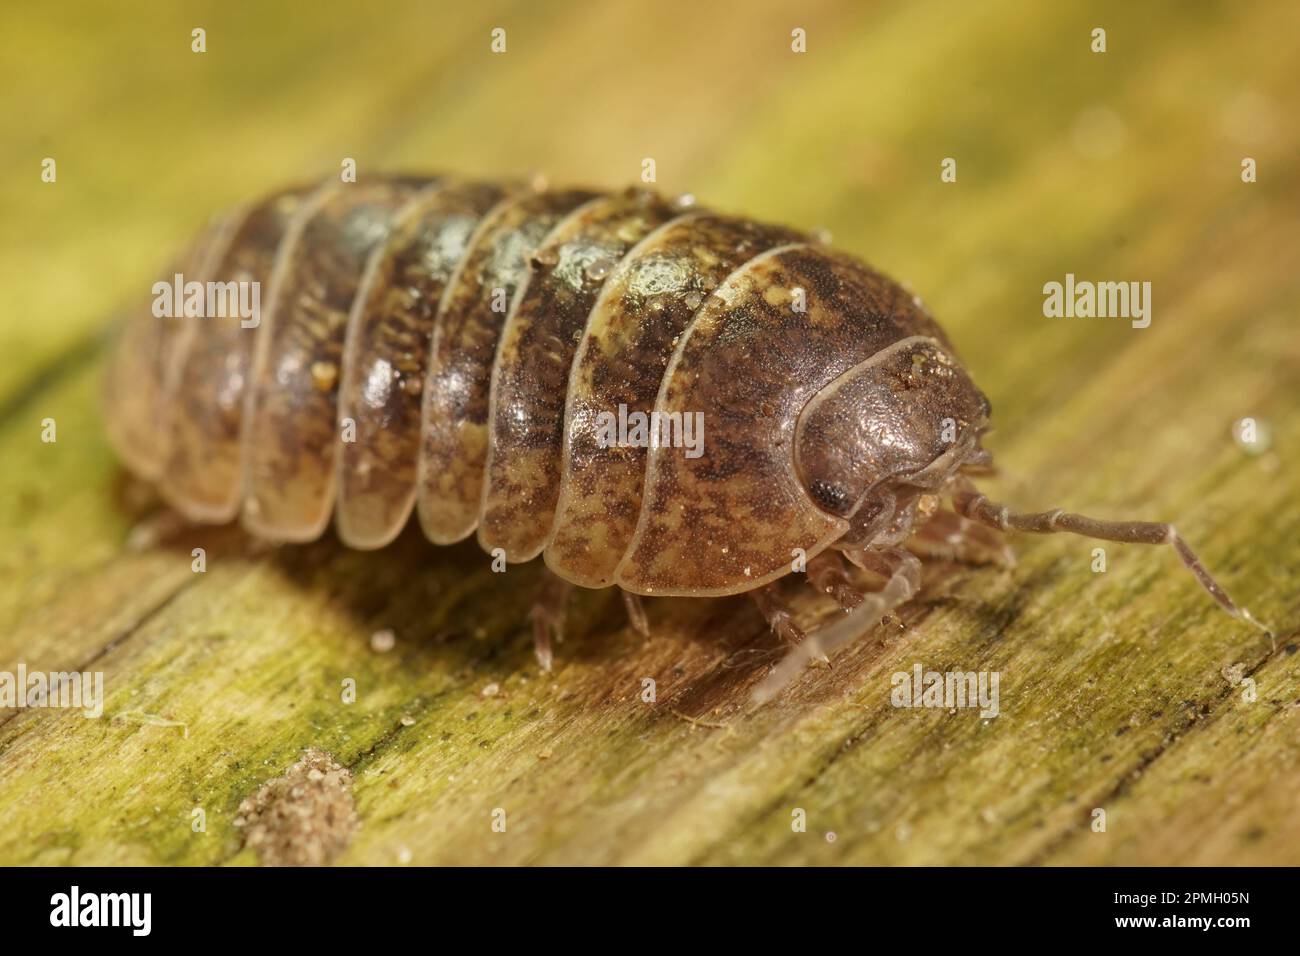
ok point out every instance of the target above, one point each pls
(459, 350)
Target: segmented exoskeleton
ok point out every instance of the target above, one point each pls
(458, 349)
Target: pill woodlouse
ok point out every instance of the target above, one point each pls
(449, 347)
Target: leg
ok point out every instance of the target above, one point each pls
(161, 526)
(949, 536)
(777, 615)
(970, 503)
(827, 574)
(636, 612)
(548, 613)
(902, 573)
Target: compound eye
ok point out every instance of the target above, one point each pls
(831, 497)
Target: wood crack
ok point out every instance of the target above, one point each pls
(122, 637)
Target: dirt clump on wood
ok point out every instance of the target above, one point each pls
(305, 818)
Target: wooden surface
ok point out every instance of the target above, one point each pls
(1117, 166)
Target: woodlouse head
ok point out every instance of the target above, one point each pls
(908, 416)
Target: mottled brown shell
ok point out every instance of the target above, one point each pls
(449, 348)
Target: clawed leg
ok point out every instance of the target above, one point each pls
(970, 503)
(777, 615)
(550, 608)
(949, 536)
(636, 612)
(902, 573)
(827, 574)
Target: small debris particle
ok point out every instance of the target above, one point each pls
(697, 722)
(1234, 674)
(491, 690)
(408, 721)
(545, 754)
(153, 720)
(324, 375)
(381, 642)
(404, 855)
(305, 818)
(599, 269)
